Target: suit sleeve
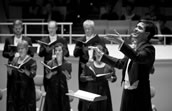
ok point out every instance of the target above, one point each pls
(144, 56)
(30, 52)
(66, 53)
(6, 51)
(112, 61)
(33, 69)
(42, 50)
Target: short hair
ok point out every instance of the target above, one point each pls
(88, 22)
(17, 22)
(24, 44)
(59, 45)
(52, 22)
(150, 27)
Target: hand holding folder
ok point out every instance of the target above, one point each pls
(106, 75)
(53, 70)
(49, 67)
(17, 67)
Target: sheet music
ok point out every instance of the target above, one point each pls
(84, 95)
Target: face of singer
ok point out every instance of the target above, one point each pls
(17, 29)
(58, 51)
(52, 28)
(89, 30)
(138, 35)
(22, 50)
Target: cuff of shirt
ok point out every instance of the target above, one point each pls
(120, 45)
(101, 56)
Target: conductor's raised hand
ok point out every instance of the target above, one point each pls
(116, 37)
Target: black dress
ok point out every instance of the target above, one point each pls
(56, 98)
(22, 94)
(98, 85)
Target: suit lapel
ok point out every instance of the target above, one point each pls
(132, 75)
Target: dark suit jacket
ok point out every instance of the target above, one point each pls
(48, 55)
(7, 50)
(83, 55)
(142, 61)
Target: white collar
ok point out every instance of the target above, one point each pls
(89, 38)
(53, 38)
(18, 38)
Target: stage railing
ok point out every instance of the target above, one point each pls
(62, 24)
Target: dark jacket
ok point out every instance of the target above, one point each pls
(48, 55)
(139, 68)
(7, 50)
(142, 61)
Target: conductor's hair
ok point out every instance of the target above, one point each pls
(150, 27)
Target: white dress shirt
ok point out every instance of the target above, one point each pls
(126, 82)
(52, 39)
(17, 40)
(90, 51)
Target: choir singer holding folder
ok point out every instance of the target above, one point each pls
(47, 44)
(97, 74)
(57, 87)
(22, 90)
(9, 53)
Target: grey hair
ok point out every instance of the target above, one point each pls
(24, 44)
(88, 22)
